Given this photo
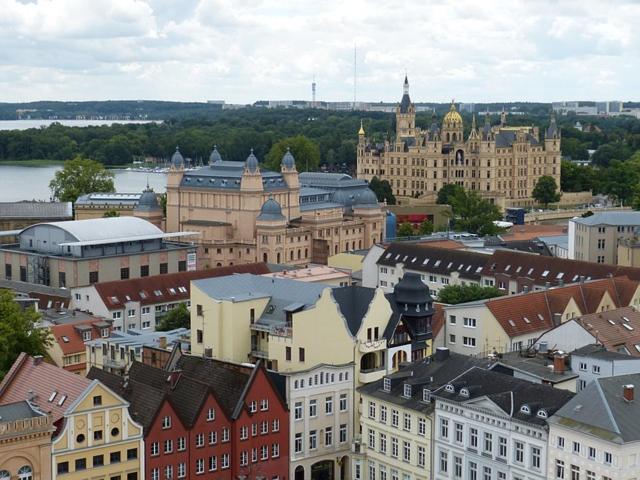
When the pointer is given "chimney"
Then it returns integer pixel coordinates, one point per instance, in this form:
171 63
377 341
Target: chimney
627 392
558 363
581 278
525 288
162 342
37 359
442 353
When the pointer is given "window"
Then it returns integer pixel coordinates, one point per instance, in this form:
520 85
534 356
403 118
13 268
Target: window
488 442
372 439
328 405
253 406
313 408
200 440
343 402
81 464
406 451
264 428
394 447
422 427
93 277
591 475
297 411
168 446
116 315
124 273
575 472
144 270
166 422
264 405
535 457
287 353
459 428
473 471
211 414
297 444
275 426
213 463
452 338
473 437
469 341
382 444
502 447
372 410
383 414
225 434
395 418
114 457
275 450
386 384
576 448
592 453
225 461
301 354
343 433
422 456
583 367
452 319
155 449
98 460
559 469
444 428
608 458
164 268
7 272
244 458
560 442
407 421
182 444
469 322
518 452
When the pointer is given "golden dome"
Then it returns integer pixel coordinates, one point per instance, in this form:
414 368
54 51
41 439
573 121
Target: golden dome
361 131
452 116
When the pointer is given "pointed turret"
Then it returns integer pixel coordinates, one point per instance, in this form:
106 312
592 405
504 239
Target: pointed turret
473 135
552 131
361 131
503 118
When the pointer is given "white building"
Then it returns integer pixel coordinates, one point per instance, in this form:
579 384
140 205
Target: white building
596 435
592 362
493 426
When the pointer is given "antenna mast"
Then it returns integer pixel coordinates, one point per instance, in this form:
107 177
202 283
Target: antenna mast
313 92
355 70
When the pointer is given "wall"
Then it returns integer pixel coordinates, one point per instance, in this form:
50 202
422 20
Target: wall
567 337
26 442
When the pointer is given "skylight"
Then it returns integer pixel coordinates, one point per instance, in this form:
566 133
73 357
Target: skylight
468 268
518 269
545 273
506 269
143 294
62 399
414 259
114 299
182 289
526 320
478 270
541 317
512 323
625 319
172 291
65 339
628 327
611 322
560 275
128 298
426 260
637 345
388 255
530 271
437 264
449 266
157 293
53 395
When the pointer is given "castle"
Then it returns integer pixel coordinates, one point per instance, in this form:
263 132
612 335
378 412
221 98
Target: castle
500 162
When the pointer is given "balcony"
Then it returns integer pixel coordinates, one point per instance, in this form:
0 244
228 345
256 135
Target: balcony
371 374
281 330
372 345
259 353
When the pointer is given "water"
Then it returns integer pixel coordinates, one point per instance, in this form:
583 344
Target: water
25 124
32 183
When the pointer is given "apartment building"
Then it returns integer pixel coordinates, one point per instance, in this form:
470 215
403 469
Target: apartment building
68 348
490 425
396 418
596 238
592 362
595 435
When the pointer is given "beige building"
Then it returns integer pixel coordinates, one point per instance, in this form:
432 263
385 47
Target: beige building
246 213
316 274
25 442
597 238
500 162
320 421
142 205
629 252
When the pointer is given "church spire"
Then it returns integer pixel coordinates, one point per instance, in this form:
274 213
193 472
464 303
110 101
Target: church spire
405 87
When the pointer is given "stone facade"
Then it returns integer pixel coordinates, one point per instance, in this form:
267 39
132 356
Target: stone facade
500 162
246 213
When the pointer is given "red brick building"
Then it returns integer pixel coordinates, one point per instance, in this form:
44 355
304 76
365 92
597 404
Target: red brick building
207 417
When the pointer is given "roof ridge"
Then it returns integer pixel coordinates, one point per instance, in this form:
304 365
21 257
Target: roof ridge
8 378
606 406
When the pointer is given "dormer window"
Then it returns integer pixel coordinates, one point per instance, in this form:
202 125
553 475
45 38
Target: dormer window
407 391
386 385
450 388
86 336
426 395
541 413
525 409
464 392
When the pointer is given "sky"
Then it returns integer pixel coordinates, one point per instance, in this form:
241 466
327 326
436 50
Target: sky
241 51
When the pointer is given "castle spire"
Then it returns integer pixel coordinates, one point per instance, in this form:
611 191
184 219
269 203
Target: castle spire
361 131
405 87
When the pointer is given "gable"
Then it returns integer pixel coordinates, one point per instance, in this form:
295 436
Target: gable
100 393
377 316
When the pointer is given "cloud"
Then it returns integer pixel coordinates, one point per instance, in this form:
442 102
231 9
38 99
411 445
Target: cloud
245 50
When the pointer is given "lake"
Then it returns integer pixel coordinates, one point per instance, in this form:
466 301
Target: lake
32 183
25 124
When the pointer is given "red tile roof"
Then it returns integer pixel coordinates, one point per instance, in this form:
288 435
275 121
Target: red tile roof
70 337
34 379
530 231
610 330
165 288
532 312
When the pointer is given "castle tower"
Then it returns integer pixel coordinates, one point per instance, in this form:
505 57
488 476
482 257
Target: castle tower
452 126
174 178
503 118
289 171
251 176
405 114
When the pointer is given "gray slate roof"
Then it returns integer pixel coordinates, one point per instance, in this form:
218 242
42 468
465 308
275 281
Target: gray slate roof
354 303
598 351
17 411
537 366
36 210
506 139
601 410
611 218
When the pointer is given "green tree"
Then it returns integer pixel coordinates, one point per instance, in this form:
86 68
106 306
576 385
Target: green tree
383 190
426 228
179 317
578 178
473 214
546 191
19 332
111 213
405 230
447 192
305 151
454 294
79 177
622 178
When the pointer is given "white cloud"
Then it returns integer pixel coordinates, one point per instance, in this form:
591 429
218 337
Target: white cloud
244 50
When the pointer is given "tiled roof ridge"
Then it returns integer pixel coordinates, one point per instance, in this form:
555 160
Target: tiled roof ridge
11 374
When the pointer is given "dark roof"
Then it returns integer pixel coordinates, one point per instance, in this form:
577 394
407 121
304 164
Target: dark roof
425 258
426 373
599 351
172 286
600 410
353 301
17 411
405 103
528 246
506 138
508 393
36 210
536 366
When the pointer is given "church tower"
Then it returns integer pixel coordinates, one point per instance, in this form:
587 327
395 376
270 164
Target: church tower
452 126
405 114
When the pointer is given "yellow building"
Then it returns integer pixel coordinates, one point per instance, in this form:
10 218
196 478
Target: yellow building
99 439
247 214
500 162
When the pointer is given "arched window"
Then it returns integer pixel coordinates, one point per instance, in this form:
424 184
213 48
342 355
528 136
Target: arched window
291 255
25 473
306 253
264 257
218 264
299 254
278 258
5 475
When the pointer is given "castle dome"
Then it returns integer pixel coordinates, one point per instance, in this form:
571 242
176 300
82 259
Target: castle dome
453 117
367 197
215 156
148 201
177 160
288 161
252 162
271 210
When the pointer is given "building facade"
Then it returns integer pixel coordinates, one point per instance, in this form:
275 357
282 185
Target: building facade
142 205
500 162
596 238
67 350
246 213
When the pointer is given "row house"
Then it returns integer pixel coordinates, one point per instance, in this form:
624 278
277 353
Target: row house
93 431
514 322
206 417
140 303
493 426
396 421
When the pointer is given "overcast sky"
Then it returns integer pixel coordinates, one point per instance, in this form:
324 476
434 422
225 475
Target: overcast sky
245 50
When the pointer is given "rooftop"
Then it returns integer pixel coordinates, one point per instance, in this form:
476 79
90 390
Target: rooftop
109 198
610 218
316 273
11 412
36 210
595 350
539 366
137 338
618 330
531 232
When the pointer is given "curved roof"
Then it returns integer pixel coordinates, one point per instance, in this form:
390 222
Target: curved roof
453 116
148 201
177 160
252 162
215 156
288 161
271 210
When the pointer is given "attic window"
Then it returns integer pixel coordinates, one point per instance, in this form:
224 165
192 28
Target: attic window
62 399
625 319
182 289
637 345
530 271
426 395
143 294
464 392
478 270
449 266
526 320
611 322
386 385
628 327
128 298
512 323
406 391
560 275
575 277
518 269
172 291
53 395
525 409
414 259
114 300
461 267
157 293
426 260
541 413
405 258
468 268
65 339
450 388
506 269
437 264
540 317
388 255
545 273
397 256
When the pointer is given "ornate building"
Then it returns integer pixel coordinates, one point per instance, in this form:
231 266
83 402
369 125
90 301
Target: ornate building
502 163
246 213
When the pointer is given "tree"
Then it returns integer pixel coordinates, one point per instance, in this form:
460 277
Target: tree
405 230
622 178
383 190
426 228
111 213
305 151
19 332
447 192
578 178
179 317
79 177
545 191
473 214
454 294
